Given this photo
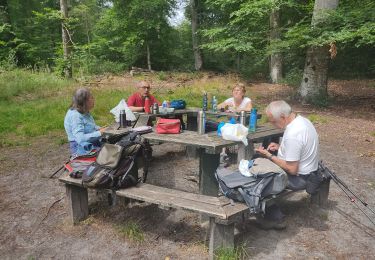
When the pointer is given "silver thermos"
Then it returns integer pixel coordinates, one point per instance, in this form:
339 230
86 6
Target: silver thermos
201 120
243 117
122 119
155 108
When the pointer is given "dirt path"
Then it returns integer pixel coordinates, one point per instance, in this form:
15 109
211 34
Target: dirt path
33 218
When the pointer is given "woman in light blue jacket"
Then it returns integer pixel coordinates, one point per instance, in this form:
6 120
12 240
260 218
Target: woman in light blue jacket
83 134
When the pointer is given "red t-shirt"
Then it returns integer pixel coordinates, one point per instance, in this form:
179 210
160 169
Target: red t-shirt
136 100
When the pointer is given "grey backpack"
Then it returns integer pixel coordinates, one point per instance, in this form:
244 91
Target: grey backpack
268 179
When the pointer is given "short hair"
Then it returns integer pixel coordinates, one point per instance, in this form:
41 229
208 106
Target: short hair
142 83
80 99
240 86
279 108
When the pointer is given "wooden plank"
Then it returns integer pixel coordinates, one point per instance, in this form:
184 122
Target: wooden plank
163 196
77 203
65 178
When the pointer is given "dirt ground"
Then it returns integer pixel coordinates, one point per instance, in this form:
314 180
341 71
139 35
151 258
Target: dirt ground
34 221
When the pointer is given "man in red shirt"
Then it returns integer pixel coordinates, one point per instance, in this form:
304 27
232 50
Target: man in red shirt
136 102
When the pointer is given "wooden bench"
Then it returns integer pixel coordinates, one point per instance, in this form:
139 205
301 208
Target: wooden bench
222 213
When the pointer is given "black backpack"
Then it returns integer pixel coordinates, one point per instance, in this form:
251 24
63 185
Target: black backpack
251 190
116 164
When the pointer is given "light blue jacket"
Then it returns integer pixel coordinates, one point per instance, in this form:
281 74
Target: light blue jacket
81 128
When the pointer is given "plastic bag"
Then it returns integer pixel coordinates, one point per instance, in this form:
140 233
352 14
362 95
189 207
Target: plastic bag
244 167
122 106
235 132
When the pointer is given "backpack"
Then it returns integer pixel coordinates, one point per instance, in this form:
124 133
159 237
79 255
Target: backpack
178 104
116 165
78 164
267 179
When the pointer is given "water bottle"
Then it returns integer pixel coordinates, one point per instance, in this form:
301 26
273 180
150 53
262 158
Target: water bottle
164 104
253 120
243 117
123 122
204 107
147 105
214 104
201 122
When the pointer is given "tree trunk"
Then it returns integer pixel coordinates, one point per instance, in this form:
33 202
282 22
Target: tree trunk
276 65
148 57
66 40
194 27
315 74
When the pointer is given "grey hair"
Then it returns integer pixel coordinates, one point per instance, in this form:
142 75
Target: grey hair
279 108
80 99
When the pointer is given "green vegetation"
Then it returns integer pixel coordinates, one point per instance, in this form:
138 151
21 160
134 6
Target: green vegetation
314 118
231 254
131 230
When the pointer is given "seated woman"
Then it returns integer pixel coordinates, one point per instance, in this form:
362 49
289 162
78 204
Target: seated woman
238 102
83 134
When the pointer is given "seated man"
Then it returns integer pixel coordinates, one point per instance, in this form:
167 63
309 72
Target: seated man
136 102
298 153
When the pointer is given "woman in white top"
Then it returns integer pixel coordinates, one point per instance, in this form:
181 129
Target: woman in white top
238 102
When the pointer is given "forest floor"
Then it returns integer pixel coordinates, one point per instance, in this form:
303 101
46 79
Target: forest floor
34 221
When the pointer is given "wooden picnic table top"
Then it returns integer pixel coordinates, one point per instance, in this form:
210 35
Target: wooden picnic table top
211 141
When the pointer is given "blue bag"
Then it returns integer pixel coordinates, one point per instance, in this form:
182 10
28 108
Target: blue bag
178 104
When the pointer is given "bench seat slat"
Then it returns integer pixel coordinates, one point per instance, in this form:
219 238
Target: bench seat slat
184 200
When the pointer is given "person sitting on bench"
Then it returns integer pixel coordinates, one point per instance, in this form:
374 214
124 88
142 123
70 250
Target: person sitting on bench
136 102
83 134
298 153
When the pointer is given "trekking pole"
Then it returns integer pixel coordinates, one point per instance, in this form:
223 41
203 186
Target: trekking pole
57 171
353 200
334 176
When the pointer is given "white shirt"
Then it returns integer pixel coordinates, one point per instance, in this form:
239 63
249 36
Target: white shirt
300 143
232 106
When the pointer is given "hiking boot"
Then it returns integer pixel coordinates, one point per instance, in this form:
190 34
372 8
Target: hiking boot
267 224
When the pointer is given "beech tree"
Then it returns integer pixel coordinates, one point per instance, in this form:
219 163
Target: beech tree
315 74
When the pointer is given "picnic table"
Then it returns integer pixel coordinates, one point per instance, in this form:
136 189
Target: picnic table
221 211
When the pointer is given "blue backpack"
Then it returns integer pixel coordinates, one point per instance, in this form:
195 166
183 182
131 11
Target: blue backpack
178 104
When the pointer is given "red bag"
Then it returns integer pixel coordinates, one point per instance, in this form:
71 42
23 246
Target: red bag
168 126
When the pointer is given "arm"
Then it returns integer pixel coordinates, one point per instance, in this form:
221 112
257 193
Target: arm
290 167
78 130
132 104
249 106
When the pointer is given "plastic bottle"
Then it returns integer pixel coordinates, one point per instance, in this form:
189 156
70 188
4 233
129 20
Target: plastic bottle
253 120
204 106
164 104
214 104
147 105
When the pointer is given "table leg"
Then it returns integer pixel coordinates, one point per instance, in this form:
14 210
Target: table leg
245 152
77 202
208 164
221 236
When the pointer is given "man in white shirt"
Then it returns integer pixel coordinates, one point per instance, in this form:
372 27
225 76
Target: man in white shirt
298 153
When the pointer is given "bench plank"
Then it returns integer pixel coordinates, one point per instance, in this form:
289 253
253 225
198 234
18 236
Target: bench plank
176 199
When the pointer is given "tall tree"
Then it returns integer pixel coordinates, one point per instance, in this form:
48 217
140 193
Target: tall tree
198 62
276 64
66 40
315 74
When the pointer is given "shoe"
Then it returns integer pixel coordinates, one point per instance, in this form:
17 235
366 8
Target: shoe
266 224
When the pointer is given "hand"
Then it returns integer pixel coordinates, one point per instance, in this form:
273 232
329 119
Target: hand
263 152
273 147
102 129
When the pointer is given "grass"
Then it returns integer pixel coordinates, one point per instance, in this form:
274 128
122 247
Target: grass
372 133
231 253
317 119
131 230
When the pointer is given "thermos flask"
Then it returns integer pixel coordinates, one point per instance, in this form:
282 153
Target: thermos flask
122 119
201 122
243 117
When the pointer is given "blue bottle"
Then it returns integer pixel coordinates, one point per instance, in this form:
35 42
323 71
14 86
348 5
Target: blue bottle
253 120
